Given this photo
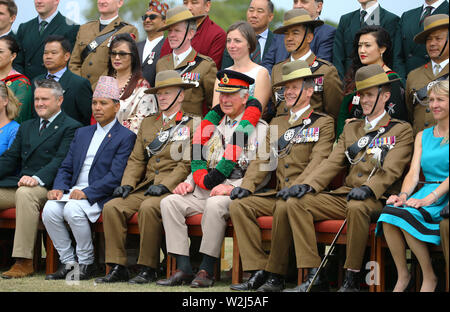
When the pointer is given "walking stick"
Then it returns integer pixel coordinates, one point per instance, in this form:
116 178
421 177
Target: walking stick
325 259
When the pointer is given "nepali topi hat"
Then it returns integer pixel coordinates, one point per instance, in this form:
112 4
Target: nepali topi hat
158 7
295 70
108 88
168 79
371 76
430 24
296 17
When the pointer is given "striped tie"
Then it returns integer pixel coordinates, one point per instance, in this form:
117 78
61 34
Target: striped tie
256 56
42 26
426 13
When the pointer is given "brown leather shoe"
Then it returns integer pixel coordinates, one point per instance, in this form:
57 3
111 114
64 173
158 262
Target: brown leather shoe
22 268
176 279
202 280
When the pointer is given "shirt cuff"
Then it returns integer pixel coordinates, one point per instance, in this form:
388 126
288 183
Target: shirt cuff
39 180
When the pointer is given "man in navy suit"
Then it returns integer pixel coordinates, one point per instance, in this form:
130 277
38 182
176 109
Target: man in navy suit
91 171
321 46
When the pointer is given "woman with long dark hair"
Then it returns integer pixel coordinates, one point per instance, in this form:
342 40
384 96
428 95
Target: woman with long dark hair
372 45
124 65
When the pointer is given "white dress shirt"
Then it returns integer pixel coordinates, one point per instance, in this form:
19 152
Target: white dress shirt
149 46
262 41
303 58
441 66
295 116
372 124
178 59
434 5
370 10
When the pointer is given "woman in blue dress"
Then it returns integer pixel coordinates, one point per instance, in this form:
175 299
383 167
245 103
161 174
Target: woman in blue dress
415 218
9 109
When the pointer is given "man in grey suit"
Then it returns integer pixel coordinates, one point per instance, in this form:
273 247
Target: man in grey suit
150 49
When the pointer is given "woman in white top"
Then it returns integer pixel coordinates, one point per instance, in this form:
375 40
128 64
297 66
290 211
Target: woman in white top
241 43
124 65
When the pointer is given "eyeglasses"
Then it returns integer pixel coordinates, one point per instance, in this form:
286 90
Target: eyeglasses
113 54
152 17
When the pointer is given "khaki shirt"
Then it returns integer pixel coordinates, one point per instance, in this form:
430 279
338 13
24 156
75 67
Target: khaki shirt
204 75
328 93
170 166
257 173
96 63
358 174
420 115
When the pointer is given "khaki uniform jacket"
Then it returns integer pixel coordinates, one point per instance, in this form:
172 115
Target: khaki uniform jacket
420 115
96 63
257 174
170 166
328 100
394 163
303 157
204 75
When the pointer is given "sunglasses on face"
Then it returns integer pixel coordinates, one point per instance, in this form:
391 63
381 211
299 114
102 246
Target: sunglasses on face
120 54
152 17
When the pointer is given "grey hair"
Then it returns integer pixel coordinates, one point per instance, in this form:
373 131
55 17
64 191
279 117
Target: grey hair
243 93
309 83
56 88
192 25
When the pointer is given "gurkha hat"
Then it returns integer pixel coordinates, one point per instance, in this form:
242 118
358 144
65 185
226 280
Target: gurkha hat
231 81
430 24
295 70
371 76
108 88
177 15
168 79
296 17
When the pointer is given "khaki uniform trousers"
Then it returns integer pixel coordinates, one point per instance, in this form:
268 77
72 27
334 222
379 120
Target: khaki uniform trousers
301 215
176 208
116 214
244 213
444 241
28 201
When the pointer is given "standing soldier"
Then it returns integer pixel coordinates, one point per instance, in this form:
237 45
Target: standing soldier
153 171
298 28
435 38
193 67
375 151
90 53
306 139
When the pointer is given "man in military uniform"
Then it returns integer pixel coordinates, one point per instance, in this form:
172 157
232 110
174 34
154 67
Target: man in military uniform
234 139
194 67
298 28
407 54
90 53
375 151
306 139
435 37
156 166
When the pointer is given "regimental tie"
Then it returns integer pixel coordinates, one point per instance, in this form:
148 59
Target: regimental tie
42 26
52 77
362 18
44 125
256 56
426 13
437 69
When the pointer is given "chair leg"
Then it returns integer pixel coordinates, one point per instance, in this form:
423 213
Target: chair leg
236 273
51 262
37 252
380 259
171 265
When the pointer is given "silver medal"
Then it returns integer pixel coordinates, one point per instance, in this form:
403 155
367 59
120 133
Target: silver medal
163 136
289 135
363 142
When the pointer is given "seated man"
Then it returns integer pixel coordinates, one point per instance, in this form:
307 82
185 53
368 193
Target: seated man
306 139
28 168
86 180
375 151
232 136
154 169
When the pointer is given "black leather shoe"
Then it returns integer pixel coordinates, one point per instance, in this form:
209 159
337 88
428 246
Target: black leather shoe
320 284
351 282
256 280
61 273
274 283
87 271
177 279
118 273
202 280
145 276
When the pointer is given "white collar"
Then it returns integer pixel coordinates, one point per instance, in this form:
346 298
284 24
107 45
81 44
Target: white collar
442 64
375 122
48 19
107 22
50 120
154 42
170 117
182 56
106 128
6 33
303 58
299 113
434 5
264 34
370 9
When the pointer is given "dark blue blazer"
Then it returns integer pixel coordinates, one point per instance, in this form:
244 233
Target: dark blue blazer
108 165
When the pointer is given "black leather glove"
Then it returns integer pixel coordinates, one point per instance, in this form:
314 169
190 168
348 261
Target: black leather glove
444 212
156 190
360 193
284 193
299 190
122 191
239 192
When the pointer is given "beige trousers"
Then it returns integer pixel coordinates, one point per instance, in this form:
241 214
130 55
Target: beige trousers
176 208
28 202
